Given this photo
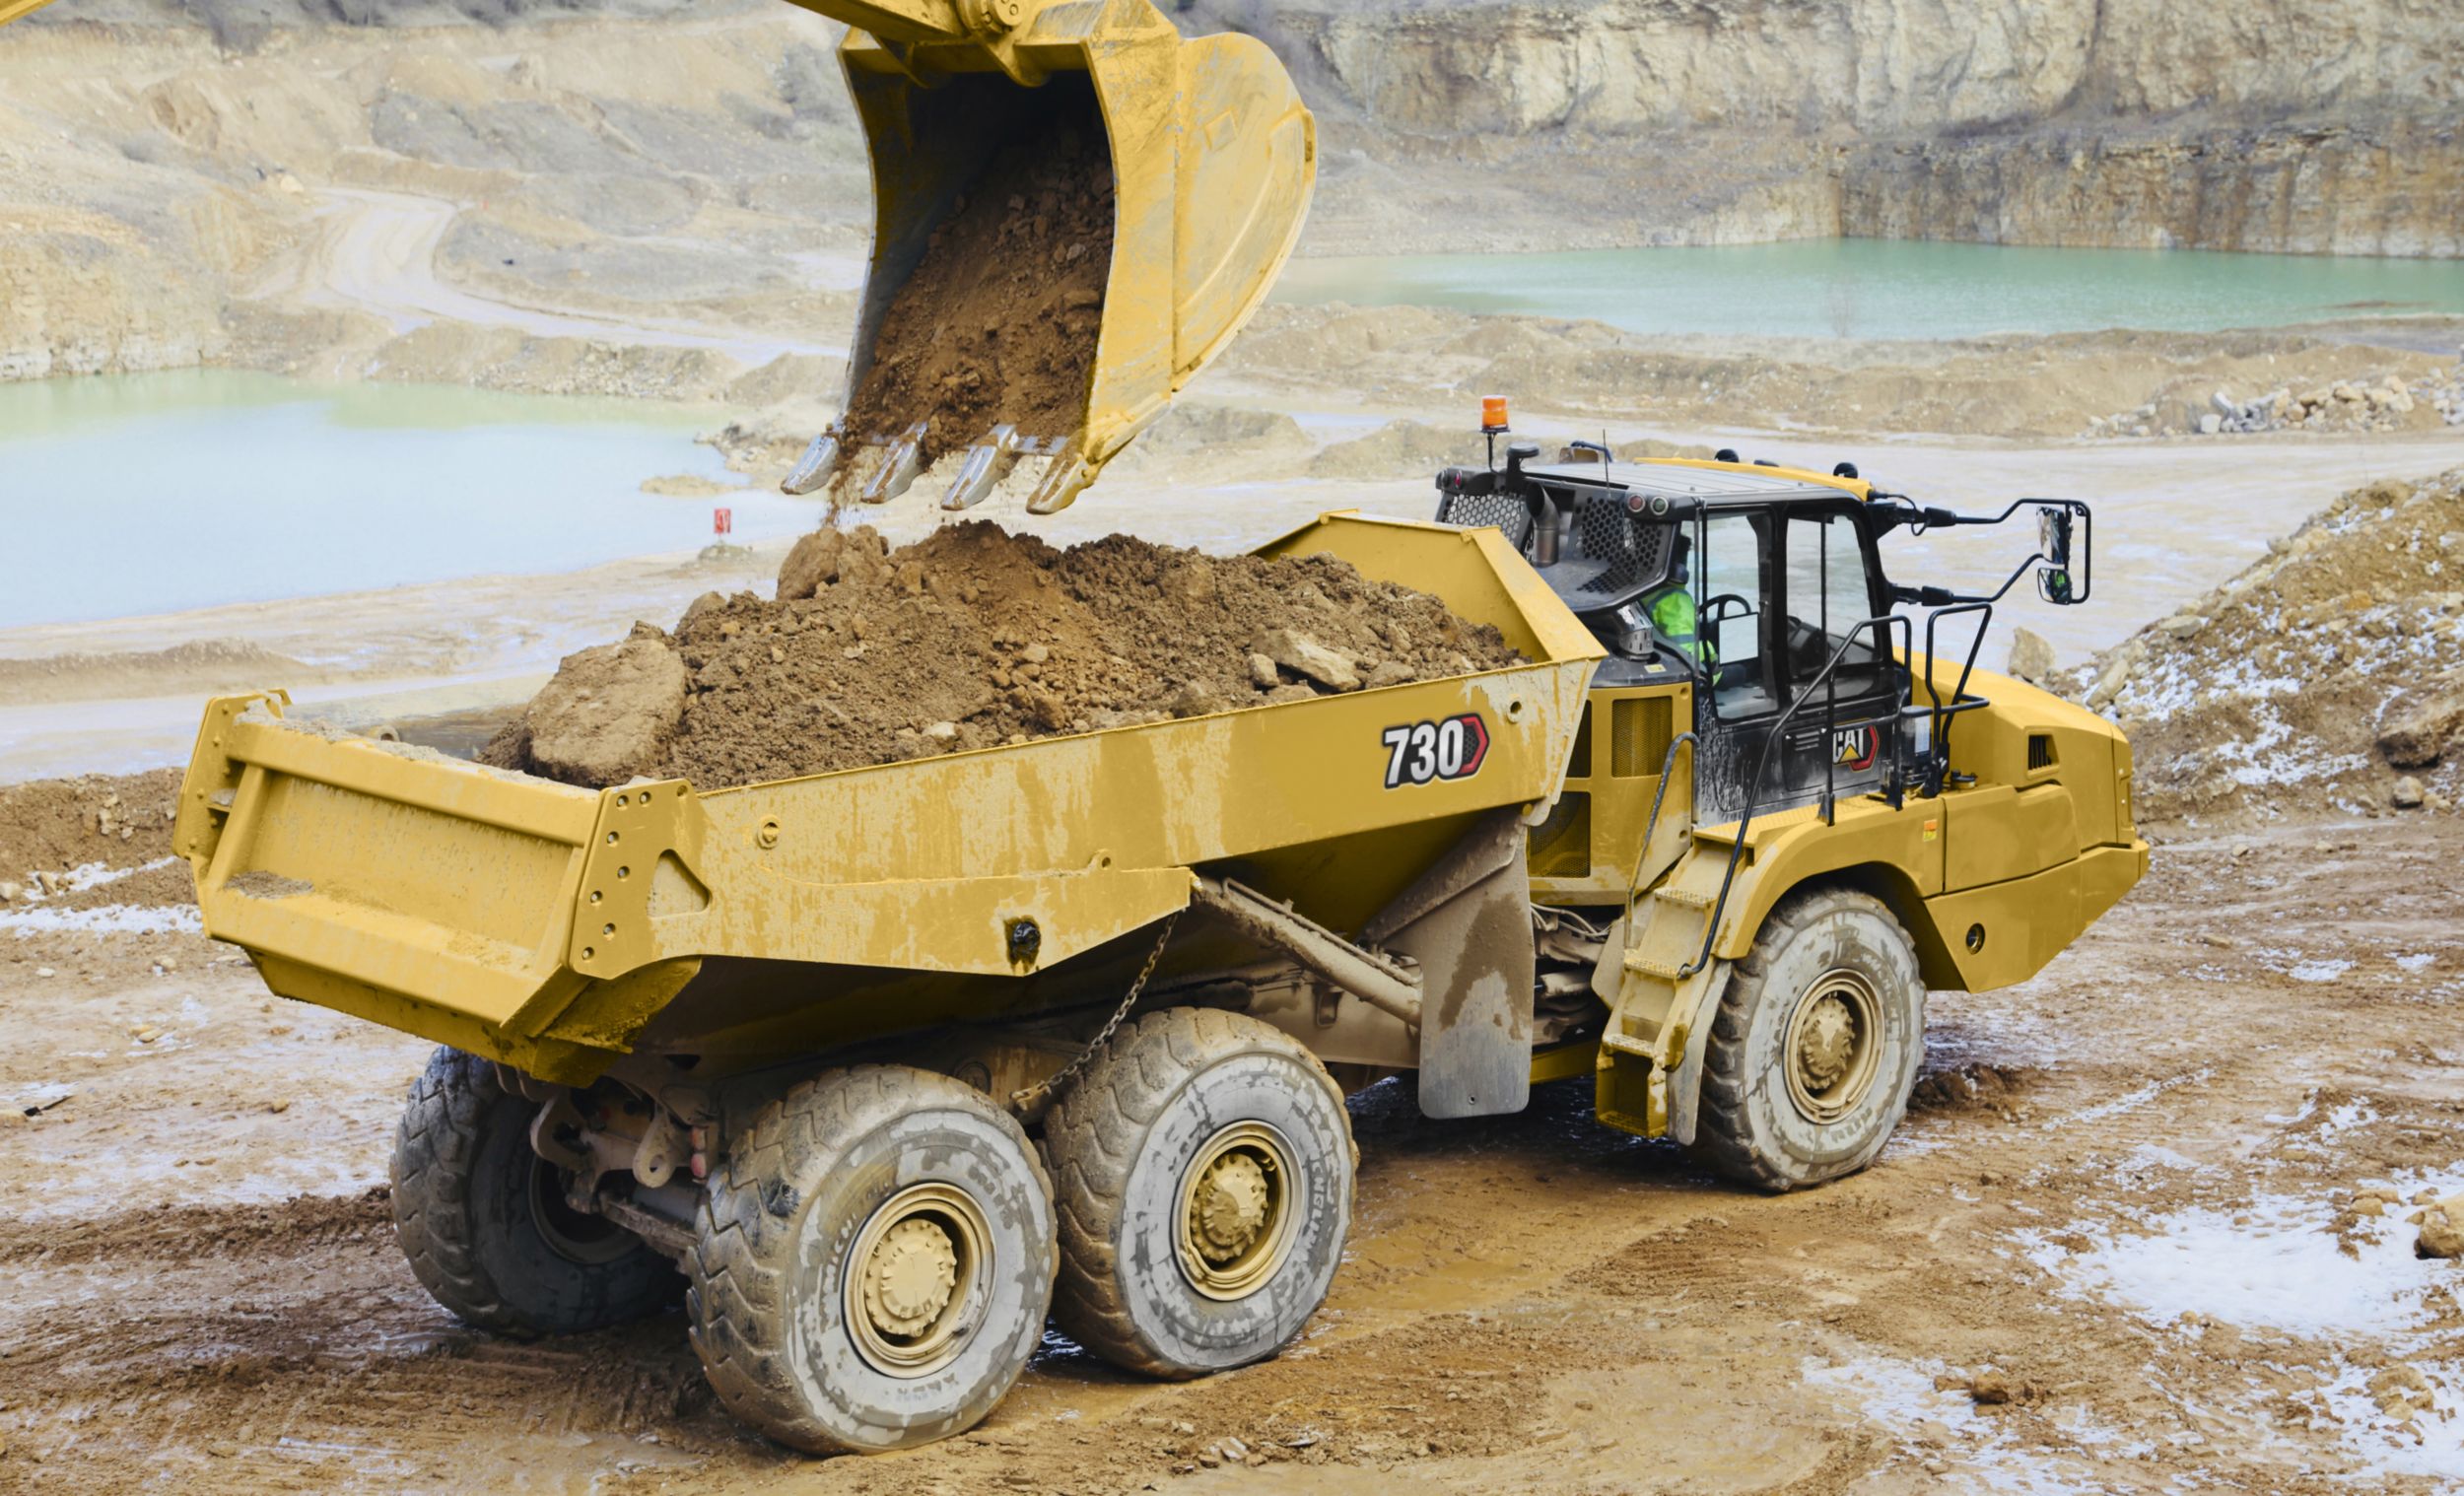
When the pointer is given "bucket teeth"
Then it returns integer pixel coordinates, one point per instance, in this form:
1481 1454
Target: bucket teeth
900 468
1065 480
814 466
987 462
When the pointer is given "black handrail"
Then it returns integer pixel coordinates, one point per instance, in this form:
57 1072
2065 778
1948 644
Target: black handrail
1668 766
1938 748
1762 769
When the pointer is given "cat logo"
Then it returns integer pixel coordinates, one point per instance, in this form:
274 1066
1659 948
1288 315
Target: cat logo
1853 747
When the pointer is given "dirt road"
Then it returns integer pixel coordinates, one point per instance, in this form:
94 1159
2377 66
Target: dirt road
376 252
2120 1201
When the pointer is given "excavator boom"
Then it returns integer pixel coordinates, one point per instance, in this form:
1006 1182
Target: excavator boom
1197 150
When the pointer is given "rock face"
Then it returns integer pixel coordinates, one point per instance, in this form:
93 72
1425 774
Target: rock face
2267 126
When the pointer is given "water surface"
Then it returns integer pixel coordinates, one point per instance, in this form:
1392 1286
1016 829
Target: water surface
1853 288
151 492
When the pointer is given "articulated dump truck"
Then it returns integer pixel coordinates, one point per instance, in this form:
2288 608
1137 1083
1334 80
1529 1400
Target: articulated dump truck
880 1069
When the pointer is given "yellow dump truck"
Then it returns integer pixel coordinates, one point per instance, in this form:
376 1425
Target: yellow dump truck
893 1063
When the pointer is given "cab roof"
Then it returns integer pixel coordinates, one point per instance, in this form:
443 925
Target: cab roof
1704 482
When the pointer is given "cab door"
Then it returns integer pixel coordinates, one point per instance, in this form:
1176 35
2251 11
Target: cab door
1839 740
1737 702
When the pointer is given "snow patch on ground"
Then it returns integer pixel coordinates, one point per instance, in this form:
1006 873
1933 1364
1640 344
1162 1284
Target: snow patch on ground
108 918
1982 1455
2290 1266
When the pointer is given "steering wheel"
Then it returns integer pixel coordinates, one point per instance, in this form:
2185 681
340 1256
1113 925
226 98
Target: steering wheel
1711 613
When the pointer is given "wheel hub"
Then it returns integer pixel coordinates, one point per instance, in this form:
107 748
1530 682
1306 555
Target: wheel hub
1828 1041
1229 1206
1237 1211
914 1279
911 1277
1833 1045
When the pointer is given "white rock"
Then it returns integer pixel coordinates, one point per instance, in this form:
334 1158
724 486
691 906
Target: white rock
2184 624
2031 656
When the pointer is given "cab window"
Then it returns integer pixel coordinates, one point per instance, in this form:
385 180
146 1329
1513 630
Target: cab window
1729 592
1830 593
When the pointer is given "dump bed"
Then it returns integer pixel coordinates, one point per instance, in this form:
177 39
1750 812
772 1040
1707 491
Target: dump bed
546 926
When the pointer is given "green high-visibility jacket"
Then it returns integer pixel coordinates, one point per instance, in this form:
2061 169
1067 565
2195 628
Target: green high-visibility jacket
1671 612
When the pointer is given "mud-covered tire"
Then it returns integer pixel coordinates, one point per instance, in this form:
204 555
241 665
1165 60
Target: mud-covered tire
1166 1092
1820 954
799 1193
481 1217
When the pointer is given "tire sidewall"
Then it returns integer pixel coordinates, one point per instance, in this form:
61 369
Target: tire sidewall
538 1290
862 1406
1870 943
1188 1329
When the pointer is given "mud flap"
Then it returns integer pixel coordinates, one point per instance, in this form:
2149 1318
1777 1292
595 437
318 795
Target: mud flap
1468 922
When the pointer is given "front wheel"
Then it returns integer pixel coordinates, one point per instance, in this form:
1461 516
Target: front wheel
1203 1165
1816 1046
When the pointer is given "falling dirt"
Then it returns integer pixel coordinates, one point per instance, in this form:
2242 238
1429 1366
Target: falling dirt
997 323
974 636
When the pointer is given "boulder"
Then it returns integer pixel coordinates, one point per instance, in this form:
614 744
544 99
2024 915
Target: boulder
2407 793
2442 1230
812 565
609 714
2419 726
2031 656
2184 626
1305 657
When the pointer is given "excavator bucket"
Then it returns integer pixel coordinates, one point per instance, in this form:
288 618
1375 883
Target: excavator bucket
1075 209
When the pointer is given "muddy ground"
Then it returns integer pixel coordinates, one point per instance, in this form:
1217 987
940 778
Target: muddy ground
2122 1192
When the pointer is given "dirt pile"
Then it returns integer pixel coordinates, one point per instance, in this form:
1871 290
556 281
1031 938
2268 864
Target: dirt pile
970 637
996 325
2328 677
201 666
71 843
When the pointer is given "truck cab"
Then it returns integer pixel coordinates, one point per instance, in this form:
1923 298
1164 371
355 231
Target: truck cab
1767 726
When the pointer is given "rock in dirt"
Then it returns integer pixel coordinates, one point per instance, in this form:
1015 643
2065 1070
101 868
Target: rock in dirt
2442 1230
2406 795
822 557
2420 724
973 638
2031 656
609 714
1302 656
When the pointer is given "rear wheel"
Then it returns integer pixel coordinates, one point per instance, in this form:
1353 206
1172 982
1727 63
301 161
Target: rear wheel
1203 1165
1816 1044
873 1262
482 1217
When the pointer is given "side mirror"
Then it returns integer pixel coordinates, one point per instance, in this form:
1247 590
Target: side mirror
2064 549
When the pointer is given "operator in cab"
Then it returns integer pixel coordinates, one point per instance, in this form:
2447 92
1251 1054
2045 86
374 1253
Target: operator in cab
1671 605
